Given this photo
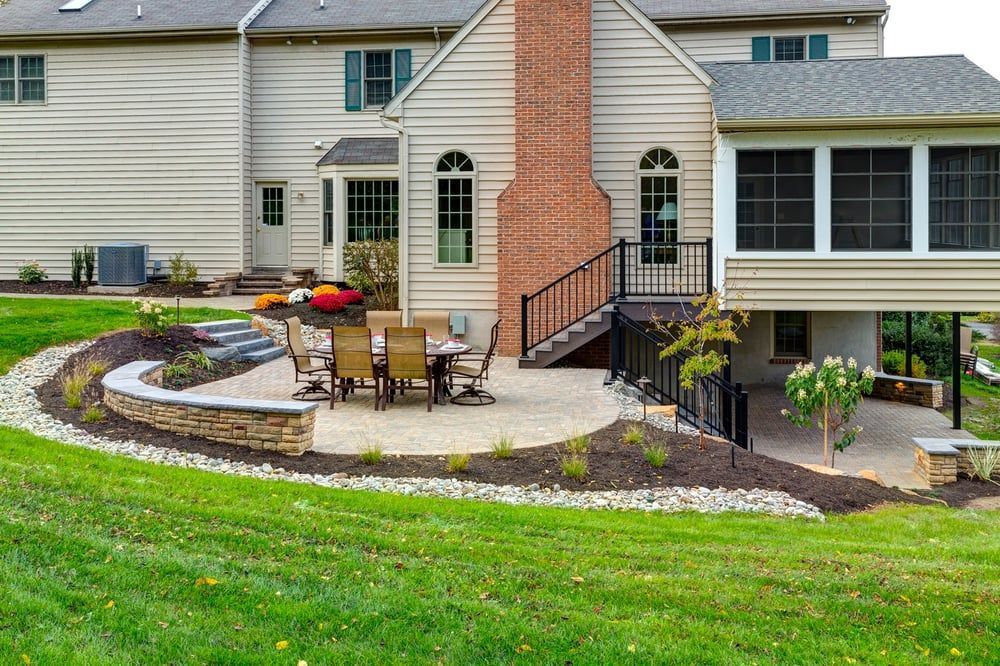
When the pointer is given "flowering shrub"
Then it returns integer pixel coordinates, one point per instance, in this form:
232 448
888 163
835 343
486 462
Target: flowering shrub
831 395
328 303
352 297
31 272
201 335
149 316
300 296
268 301
325 290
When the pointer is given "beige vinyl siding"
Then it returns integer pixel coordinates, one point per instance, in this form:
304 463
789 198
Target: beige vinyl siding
480 122
644 98
734 42
298 98
138 141
873 285
246 113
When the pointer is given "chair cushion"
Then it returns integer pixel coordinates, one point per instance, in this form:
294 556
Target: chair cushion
468 370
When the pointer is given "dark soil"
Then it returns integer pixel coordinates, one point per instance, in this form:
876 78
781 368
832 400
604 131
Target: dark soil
352 315
66 288
964 491
116 349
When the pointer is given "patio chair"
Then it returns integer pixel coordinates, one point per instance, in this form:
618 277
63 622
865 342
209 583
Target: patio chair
379 320
471 370
309 369
407 364
353 362
437 323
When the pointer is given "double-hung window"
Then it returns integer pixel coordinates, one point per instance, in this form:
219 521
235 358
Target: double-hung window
372 210
965 198
378 78
455 185
371 78
327 211
789 48
871 205
775 208
22 79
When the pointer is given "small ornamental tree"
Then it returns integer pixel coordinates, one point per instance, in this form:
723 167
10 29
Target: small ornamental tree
828 398
697 338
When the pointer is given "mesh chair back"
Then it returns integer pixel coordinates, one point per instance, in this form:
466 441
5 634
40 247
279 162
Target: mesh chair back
379 320
352 352
296 346
406 353
437 323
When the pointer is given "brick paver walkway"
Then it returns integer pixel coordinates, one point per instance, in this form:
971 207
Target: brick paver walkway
885 445
536 407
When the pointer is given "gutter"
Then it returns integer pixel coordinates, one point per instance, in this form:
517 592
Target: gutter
328 31
867 122
404 212
121 33
822 12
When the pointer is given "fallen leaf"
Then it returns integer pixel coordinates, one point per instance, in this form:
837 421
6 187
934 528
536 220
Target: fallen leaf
576 579
521 649
205 580
26 659
955 652
281 645
110 604
302 662
631 647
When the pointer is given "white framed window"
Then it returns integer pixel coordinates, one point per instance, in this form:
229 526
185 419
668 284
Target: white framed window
378 78
372 209
660 179
455 210
22 79
789 48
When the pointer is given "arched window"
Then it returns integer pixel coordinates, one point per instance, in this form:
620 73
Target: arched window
455 211
660 181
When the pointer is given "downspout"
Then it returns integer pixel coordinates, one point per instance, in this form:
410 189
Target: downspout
437 38
404 214
881 33
241 153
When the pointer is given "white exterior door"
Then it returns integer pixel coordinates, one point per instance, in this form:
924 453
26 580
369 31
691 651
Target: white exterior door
271 225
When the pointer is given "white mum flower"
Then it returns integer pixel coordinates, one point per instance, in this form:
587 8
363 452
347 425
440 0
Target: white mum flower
300 296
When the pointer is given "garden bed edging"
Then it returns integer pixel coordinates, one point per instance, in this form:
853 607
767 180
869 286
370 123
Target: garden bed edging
134 392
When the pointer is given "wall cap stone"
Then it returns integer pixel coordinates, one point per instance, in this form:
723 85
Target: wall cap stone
908 380
937 447
128 381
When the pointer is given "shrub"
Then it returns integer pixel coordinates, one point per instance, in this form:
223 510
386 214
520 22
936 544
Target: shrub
987 317
149 316
89 259
328 303
985 462
457 462
325 289
76 268
371 453
94 414
176 371
574 467
73 383
635 434
577 443
202 335
931 338
182 271
300 296
196 359
502 447
373 268
656 455
31 272
96 367
894 363
269 302
352 297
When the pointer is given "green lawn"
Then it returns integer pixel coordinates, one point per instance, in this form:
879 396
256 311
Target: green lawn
100 561
982 419
30 324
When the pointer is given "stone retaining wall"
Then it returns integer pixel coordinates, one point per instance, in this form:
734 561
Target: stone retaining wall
940 461
134 391
922 392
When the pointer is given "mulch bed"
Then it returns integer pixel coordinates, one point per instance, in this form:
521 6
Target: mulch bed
964 491
352 315
117 349
66 288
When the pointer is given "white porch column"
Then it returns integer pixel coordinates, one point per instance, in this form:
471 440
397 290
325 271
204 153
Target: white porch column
921 198
823 191
725 201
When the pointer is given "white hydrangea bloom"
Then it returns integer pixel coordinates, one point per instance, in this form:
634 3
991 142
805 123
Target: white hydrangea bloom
300 296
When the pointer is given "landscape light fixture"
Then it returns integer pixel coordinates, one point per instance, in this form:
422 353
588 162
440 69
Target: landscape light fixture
642 383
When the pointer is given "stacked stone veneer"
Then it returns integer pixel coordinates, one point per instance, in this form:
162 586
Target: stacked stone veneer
940 461
922 392
134 391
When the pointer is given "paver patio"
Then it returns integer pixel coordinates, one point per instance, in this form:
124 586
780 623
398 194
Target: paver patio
885 445
536 407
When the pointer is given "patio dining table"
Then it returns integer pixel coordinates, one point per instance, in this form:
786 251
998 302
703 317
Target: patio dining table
441 352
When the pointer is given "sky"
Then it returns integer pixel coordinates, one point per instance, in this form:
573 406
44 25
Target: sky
933 27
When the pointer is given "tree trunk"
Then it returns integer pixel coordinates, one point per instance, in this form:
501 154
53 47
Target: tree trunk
826 431
700 396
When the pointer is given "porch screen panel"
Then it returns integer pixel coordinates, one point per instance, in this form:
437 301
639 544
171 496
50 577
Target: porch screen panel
372 210
871 199
775 207
965 198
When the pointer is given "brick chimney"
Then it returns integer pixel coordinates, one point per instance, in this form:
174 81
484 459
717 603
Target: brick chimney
553 216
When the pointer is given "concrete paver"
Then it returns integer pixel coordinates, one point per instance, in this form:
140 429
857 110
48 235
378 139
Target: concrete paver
535 407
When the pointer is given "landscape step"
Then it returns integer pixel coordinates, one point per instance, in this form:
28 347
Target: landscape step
226 326
264 355
231 338
248 346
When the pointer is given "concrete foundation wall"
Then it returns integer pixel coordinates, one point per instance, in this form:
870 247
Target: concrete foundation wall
831 333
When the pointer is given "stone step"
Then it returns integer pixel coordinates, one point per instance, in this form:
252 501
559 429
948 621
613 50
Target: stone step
264 355
248 346
232 337
246 291
225 326
258 281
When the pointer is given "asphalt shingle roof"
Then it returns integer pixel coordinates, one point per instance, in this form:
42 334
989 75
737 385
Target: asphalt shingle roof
852 88
363 151
43 16
666 9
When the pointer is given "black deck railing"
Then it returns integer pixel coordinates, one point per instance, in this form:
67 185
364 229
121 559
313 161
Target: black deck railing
635 355
626 269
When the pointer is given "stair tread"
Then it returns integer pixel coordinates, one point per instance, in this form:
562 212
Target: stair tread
264 355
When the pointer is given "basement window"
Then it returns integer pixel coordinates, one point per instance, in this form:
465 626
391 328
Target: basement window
791 335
